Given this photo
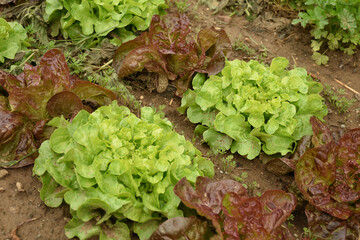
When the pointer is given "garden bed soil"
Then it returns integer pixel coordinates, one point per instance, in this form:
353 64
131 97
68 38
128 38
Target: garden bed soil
271 34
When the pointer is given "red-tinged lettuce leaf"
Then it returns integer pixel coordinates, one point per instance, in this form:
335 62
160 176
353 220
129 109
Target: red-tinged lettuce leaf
278 207
239 213
30 76
25 92
55 71
192 199
31 90
215 45
4 103
16 140
178 56
207 196
328 176
32 98
170 34
257 217
183 55
41 131
349 145
314 174
347 187
64 103
149 58
8 81
235 215
212 192
92 94
30 101
181 228
323 226
126 48
321 133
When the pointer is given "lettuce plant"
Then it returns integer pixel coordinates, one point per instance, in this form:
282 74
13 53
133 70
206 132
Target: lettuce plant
79 19
12 39
328 177
250 107
111 166
29 100
326 227
234 214
169 51
327 217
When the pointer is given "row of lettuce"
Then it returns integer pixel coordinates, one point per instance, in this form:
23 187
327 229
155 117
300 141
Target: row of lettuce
124 175
80 20
334 24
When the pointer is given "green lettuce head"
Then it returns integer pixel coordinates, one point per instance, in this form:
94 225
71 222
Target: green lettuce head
12 39
250 107
111 166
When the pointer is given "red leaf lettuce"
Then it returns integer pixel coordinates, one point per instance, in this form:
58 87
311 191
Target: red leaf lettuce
234 214
169 51
323 226
329 175
29 100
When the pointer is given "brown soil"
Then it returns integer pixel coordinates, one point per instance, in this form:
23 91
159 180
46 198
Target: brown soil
270 34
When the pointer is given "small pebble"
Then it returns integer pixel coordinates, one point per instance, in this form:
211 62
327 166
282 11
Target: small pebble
221 172
141 97
225 19
13 209
3 173
343 126
19 187
2 189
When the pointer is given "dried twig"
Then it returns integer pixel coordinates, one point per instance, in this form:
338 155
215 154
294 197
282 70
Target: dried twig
294 60
104 66
14 236
290 36
346 86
